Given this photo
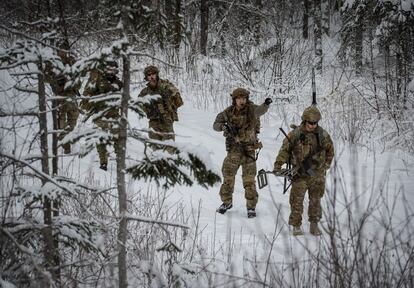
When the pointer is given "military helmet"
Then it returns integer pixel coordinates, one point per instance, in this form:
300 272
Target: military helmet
150 70
311 114
239 92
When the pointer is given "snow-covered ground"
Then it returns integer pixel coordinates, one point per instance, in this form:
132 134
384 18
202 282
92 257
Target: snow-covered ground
358 172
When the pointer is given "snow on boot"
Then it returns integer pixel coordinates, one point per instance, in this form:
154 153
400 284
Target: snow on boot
297 231
314 229
251 213
224 207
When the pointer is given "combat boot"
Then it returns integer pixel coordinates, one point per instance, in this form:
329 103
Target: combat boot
251 213
314 229
297 231
66 148
104 166
224 207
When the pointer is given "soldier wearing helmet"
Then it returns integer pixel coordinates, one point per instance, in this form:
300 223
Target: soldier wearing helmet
105 85
311 150
240 124
67 110
162 111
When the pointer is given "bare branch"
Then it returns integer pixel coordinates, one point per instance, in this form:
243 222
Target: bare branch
31 112
153 221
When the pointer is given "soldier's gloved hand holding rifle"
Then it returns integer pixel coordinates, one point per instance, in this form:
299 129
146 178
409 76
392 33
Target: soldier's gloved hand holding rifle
268 101
230 129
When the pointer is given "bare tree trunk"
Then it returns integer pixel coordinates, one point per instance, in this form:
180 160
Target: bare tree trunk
49 249
326 16
317 31
177 24
169 15
388 79
55 162
257 22
305 19
120 171
358 39
204 27
374 77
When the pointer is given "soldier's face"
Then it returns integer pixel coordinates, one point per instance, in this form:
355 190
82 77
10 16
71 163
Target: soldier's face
240 102
311 126
152 79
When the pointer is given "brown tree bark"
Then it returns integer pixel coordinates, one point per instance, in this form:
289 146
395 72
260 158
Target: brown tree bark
50 251
204 27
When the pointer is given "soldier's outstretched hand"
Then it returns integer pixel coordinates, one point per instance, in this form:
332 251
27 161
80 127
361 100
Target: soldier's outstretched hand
268 101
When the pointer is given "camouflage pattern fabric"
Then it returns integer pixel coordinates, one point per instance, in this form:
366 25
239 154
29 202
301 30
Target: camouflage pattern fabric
317 151
240 149
99 83
67 116
165 108
235 158
67 108
162 112
315 186
101 147
246 121
164 130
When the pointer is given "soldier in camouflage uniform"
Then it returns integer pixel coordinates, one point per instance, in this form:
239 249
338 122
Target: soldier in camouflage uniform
104 113
67 108
161 112
311 150
240 125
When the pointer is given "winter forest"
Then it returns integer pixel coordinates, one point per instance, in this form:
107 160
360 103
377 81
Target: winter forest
149 219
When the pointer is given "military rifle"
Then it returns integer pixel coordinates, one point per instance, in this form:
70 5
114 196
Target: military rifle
289 162
288 173
231 129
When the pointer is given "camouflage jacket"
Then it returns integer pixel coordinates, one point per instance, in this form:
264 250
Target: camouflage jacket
99 84
308 150
59 82
245 124
164 108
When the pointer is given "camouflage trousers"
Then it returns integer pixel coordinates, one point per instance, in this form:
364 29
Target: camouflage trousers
235 158
162 130
315 186
101 147
67 116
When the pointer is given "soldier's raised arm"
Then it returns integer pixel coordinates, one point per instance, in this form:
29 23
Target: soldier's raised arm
262 109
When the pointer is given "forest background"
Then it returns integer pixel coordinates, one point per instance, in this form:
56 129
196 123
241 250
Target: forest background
150 220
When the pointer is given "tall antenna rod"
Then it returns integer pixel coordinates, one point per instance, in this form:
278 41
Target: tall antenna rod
313 87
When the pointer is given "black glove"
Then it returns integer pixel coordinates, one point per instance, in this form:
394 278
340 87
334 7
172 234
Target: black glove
268 101
225 128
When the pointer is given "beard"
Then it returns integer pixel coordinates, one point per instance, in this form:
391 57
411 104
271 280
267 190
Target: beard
152 84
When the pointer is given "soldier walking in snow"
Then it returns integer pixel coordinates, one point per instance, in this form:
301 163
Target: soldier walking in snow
104 113
311 150
240 124
161 112
67 109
